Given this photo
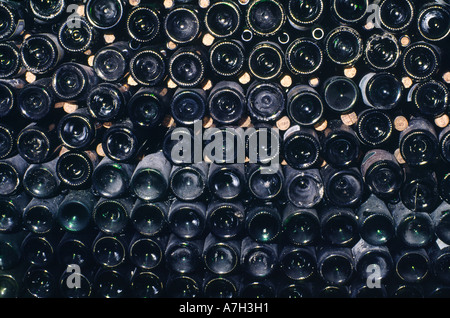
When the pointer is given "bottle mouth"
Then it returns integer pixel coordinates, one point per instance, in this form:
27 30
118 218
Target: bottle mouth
45 12
233 221
341 149
304 57
226 106
260 261
226 183
302 227
265 186
341 94
73 216
222 19
148 67
120 144
143 24
431 98
35 102
416 230
35 278
76 131
340 229
145 109
105 101
298 264
344 46
396 16
384 91
301 151
182 258
187 183
382 51
110 216
38 219
110 180
10 26
182 25
265 18
76 35
9 179
305 108
34 243
420 61
219 286
8 222
69 81
104 14
419 147
345 188
8 97
336 269
412 267
109 251
149 184
266 101
187 107
263 225
374 127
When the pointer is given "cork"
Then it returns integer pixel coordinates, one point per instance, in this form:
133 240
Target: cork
286 81
321 125
349 119
350 72
442 121
245 78
400 123
283 123
208 39
398 157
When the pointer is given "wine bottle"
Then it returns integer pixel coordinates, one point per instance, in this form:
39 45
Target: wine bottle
382 173
150 179
8 139
419 143
335 265
11 66
370 257
12 171
305 188
226 182
111 179
298 263
226 102
439 217
343 187
147 252
264 184
182 24
439 258
265 61
258 260
302 15
111 216
107 101
227 57
73 81
412 265
381 90
14 18
111 62
225 220
375 222
340 94
75 248
301 147
420 190
41 180
265 18
147 107
39 216
382 52
188 66
148 66
183 256
36 100
9 90
340 144
110 251
188 183
217 286
188 106
40 282
266 101
75 211
300 225
77 35
263 223
374 127
149 218
47 12
41 53
421 60
344 46
40 250
414 229
304 56
349 12
221 257
432 21
339 226
148 284
105 14
77 130
112 282
223 19
187 220
304 105
144 22
11 253
396 16
37 143
430 98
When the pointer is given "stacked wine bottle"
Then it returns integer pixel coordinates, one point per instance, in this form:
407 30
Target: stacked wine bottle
95 96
